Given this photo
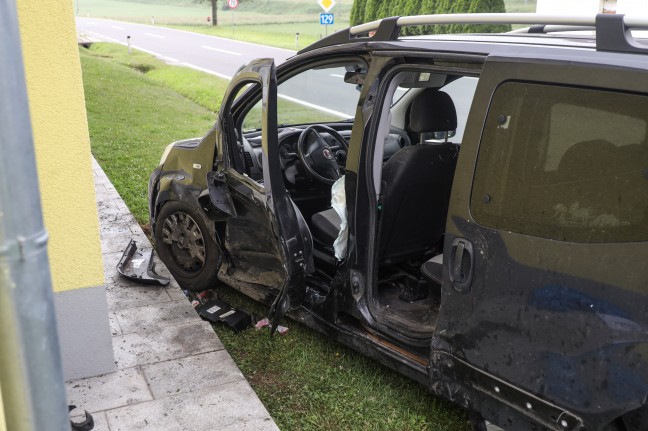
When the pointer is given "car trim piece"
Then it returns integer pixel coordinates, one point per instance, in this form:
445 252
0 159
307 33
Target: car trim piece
542 411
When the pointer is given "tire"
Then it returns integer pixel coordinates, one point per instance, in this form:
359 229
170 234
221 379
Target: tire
183 242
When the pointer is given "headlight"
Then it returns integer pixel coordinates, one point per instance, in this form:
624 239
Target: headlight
166 152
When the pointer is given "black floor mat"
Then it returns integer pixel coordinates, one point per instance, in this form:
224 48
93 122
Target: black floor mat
417 316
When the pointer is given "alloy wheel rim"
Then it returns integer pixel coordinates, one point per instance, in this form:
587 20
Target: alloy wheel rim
182 235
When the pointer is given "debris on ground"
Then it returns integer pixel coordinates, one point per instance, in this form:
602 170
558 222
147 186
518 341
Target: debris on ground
218 311
86 425
265 322
138 265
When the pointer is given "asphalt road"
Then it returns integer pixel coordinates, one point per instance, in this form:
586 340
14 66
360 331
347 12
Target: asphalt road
211 54
319 89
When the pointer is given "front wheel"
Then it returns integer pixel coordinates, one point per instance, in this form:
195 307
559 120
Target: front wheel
183 243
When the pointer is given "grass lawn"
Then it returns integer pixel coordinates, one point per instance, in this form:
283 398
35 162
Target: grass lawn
307 381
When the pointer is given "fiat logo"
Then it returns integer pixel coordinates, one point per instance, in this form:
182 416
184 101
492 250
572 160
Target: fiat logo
327 153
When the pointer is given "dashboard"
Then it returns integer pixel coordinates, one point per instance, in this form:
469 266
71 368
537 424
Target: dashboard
288 137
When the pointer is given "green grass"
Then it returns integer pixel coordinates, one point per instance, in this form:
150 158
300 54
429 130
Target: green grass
205 89
142 12
310 382
307 381
132 118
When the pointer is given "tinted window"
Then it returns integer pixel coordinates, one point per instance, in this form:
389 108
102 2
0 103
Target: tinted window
564 163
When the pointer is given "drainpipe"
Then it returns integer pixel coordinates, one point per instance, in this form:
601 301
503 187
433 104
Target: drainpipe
31 375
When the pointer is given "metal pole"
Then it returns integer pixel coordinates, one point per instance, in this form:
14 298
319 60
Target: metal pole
31 376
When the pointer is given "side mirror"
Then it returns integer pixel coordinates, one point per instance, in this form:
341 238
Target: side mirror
357 78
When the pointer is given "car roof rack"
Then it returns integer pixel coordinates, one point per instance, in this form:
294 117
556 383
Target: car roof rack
612 31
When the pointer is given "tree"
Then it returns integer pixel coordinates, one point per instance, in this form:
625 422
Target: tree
214 8
460 6
397 7
443 7
412 7
383 9
429 7
487 6
357 12
371 10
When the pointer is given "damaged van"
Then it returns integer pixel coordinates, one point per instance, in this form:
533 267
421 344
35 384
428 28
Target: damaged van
468 209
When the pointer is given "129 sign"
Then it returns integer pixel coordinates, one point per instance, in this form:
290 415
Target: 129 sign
326 19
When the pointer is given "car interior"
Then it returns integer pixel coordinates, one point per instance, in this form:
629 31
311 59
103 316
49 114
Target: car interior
420 131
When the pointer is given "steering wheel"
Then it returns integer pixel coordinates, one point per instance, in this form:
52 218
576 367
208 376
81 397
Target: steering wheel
319 159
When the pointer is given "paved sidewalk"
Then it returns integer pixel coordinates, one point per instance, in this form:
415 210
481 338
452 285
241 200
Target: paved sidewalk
173 373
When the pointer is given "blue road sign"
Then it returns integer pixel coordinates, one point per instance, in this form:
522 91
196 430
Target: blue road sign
326 18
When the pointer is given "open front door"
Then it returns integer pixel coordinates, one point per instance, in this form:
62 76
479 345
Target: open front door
268 235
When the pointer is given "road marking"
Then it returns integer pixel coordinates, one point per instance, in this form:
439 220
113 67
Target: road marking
118 27
155 35
238 42
336 75
102 37
202 69
175 60
312 105
224 51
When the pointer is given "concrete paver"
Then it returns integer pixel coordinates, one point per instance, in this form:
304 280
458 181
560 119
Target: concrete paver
115 329
195 372
173 372
166 343
121 297
221 407
94 394
155 316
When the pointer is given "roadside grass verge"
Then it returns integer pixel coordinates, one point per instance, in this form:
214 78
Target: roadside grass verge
306 380
279 34
205 89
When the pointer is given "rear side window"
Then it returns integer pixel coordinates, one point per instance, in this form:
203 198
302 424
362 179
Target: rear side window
564 163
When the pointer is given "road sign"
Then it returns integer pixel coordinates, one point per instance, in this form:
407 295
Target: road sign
327 5
232 4
326 19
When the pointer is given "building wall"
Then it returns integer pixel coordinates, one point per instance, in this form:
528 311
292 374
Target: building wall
3 427
62 146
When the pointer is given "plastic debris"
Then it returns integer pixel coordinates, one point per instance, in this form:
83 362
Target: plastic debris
138 265
87 424
265 322
217 311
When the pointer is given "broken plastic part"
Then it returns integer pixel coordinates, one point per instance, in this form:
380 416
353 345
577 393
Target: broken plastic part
265 322
86 425
217 311
138 265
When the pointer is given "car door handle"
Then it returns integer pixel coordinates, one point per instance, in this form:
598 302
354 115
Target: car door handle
461 265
